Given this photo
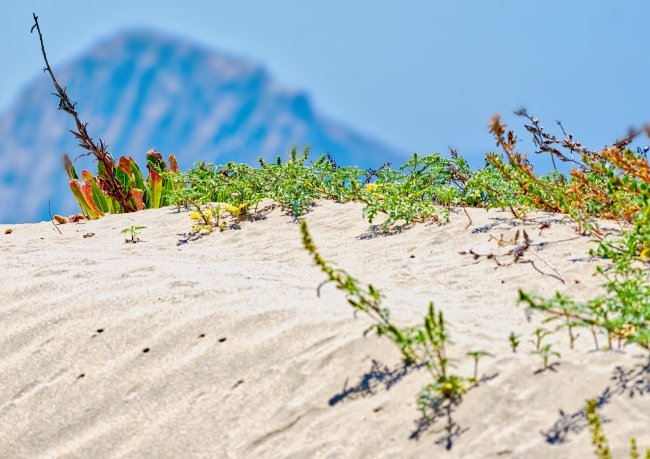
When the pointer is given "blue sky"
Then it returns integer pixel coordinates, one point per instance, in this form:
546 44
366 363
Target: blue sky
420 75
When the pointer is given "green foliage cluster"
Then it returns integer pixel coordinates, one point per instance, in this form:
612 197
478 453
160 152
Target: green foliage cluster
137 192
613 183
421 190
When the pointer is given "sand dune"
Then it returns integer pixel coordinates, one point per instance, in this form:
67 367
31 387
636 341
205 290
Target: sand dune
219 347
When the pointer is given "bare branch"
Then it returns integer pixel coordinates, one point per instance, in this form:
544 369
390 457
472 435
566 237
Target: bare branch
107 181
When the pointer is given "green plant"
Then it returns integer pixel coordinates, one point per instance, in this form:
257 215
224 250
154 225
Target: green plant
623 312
539 334
514 341
546 353
598 438
596 427
367 300
477 355
416 194
150 193
567 321
133 231
422 345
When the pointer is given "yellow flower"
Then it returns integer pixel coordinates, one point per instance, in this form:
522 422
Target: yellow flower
371 187
236 210
196 216
643 253
207 228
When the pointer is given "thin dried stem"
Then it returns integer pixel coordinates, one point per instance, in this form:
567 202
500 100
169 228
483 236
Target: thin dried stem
49 211
559 275
109 184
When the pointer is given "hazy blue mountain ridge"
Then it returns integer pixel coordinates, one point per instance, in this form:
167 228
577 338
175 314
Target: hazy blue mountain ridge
142 90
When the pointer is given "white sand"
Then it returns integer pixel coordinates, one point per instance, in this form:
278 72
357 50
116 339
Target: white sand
274 388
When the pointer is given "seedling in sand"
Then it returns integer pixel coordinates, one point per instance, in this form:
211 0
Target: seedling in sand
546 353
477 355
539 334
569 323
133 231
514 341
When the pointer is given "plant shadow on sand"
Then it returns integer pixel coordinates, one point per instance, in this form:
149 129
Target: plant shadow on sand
439 408
497 223
379 375
635 381
379 231
191 236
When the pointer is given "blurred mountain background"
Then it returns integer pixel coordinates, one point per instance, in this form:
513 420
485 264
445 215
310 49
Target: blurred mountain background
142 89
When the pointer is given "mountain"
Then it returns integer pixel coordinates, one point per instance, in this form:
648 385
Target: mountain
140 90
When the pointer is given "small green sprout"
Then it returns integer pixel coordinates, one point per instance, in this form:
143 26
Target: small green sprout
546 353
514 341
540 334
477 356
133 231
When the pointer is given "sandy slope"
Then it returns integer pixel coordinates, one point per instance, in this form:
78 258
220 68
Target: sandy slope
245 361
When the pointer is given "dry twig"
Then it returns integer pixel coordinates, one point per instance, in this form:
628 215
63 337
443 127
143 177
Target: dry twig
50 212
107 180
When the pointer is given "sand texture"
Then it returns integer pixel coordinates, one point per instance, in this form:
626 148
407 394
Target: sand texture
245 360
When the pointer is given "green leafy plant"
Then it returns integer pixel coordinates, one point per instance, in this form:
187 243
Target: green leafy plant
150 193
514 341
416 192
421 190
539 334
623 312
477 355
133 231
546 353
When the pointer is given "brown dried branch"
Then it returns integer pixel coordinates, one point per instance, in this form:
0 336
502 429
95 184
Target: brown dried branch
109 184
559 275
516 253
